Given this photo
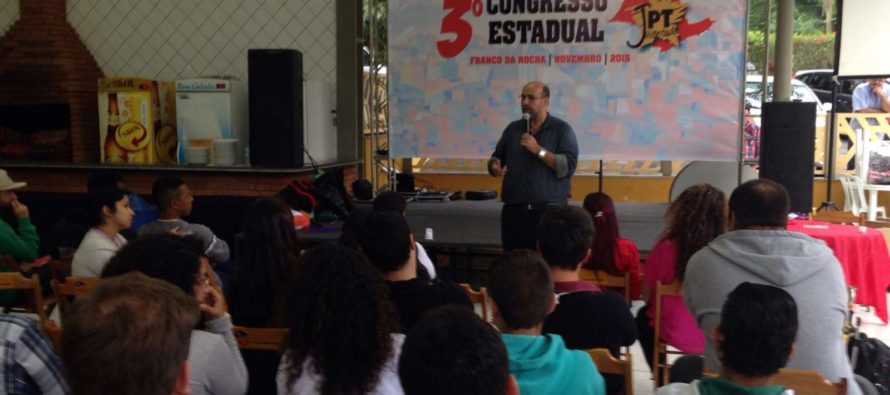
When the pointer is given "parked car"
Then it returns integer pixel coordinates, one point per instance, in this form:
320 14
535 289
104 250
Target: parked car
799 92
820 82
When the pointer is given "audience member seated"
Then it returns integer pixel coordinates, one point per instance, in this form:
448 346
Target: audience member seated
129 335
754 340
393 201
109 212
760 249
453 351
695 218
343 329
585 317
29 365
266 262
174 200
385 239
214 357
521 292
610 252
22 245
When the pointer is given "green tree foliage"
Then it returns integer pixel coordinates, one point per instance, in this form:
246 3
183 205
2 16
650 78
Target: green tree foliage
813 45
379 14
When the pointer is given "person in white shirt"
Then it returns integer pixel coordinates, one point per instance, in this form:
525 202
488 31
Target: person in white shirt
109 209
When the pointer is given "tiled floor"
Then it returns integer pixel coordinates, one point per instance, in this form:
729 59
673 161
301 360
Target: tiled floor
870 325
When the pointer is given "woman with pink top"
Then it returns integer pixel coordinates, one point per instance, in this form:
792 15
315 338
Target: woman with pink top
692 221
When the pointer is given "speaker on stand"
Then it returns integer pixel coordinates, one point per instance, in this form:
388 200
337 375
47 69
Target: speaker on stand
275 93
787 145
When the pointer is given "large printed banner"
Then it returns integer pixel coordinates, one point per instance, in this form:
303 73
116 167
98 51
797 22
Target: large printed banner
636 79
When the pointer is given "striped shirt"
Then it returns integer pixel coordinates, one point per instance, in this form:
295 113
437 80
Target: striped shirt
29 364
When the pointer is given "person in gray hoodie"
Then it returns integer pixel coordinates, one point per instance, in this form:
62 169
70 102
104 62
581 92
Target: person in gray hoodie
760 249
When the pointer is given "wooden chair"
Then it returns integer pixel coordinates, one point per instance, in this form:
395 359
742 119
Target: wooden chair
660 351
263 339
54 333
478 297
61 268
71 288
604 279
839 217
16 281
809 382
606 363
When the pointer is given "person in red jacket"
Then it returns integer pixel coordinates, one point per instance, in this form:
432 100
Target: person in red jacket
609 252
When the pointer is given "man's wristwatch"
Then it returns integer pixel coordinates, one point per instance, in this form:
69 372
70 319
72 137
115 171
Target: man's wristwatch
542 153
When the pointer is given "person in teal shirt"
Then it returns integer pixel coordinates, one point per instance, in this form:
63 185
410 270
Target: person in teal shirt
521 291
755 338
24 244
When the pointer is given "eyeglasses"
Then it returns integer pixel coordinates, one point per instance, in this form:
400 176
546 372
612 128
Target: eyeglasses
529 97
203 279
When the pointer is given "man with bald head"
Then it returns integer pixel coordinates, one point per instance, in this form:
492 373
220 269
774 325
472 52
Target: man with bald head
537 156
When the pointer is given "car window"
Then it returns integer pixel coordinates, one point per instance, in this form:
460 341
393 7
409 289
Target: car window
799 92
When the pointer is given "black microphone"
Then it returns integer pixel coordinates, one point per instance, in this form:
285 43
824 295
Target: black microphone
527 117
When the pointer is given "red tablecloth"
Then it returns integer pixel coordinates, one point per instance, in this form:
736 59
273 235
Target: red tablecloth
863 256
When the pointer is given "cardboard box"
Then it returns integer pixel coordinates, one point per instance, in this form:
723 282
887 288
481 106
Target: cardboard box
130 120
209 109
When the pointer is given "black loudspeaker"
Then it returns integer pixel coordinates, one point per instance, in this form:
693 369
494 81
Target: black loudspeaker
787 141
275 84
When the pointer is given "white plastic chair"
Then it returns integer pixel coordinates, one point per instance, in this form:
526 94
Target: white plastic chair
854 195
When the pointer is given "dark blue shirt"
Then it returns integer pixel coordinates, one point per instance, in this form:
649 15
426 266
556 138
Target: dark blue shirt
528 179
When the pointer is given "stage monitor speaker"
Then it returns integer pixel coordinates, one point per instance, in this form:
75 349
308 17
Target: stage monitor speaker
275 82
787 141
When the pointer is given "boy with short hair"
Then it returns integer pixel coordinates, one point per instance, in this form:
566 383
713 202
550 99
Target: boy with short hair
453 351
755 338
174 200
521 291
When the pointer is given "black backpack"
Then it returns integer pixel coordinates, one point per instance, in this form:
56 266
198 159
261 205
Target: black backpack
871 359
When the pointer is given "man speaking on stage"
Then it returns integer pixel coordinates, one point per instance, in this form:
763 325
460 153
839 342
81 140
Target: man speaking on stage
537 156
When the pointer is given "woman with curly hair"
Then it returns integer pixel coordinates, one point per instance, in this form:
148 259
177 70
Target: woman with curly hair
695 218
343 328
610 252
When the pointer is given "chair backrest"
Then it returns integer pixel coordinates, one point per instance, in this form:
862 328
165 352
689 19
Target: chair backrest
604 279
15 280
61 268
54 333
859 189
851 198
265 339
809 382
659 368
839 217
71 288
606 363
478 297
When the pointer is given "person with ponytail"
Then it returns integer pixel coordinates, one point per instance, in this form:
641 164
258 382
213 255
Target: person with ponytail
610 252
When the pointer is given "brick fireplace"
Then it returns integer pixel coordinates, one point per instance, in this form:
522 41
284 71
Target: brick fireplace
45 69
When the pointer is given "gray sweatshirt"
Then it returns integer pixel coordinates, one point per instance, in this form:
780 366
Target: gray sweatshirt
215 248
215 360
804 267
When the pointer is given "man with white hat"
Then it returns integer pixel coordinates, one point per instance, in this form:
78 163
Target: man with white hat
24 244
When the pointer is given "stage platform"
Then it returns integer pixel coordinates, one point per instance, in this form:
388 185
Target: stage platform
477 224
